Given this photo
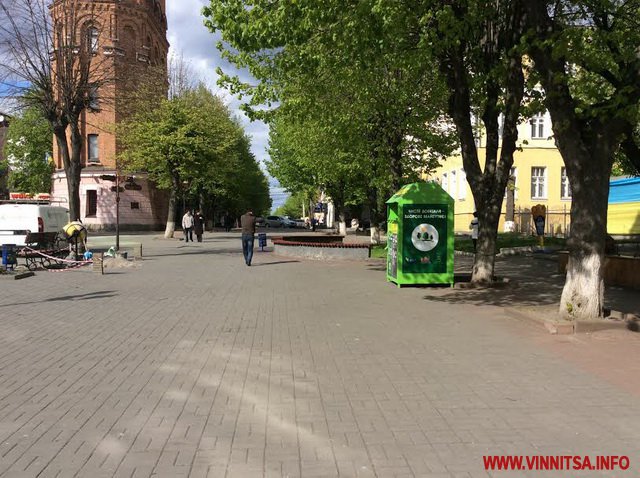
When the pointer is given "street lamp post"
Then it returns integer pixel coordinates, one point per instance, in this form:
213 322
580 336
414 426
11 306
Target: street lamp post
117 208
115 178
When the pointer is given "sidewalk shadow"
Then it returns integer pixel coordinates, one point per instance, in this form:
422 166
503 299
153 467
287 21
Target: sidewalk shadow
195 252
273 263
533 281
377 265
102 294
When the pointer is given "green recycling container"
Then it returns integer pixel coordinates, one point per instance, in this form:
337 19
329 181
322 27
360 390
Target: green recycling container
420 235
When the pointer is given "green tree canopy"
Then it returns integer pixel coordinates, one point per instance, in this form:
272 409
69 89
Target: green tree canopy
354 116
190 144
28 151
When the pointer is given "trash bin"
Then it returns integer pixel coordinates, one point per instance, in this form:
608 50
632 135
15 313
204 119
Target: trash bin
262 240
420 235
9 259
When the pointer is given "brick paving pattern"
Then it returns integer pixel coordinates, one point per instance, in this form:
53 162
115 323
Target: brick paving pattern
194 365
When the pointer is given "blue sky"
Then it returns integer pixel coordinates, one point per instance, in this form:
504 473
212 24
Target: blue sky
189 37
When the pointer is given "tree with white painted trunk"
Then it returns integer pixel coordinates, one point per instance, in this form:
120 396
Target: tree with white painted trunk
586 53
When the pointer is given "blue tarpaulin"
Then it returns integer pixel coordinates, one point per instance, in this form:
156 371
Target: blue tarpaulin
624 190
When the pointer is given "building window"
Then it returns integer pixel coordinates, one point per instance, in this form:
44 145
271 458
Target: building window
135 205
538 183
445 182
92 203
94 100
537 126
94 153
462 185
565 186
92 39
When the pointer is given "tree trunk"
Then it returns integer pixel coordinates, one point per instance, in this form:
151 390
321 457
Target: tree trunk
377 214
171 214
71 171
374 234
583 292
73 175
342 223
488 219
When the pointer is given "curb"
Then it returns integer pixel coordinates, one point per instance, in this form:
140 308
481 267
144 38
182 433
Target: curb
615 320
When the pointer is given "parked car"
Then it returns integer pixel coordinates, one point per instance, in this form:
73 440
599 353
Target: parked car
16 219
288 222
300 223
274 221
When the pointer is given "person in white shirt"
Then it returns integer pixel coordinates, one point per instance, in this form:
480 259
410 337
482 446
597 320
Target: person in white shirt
474 230
187 226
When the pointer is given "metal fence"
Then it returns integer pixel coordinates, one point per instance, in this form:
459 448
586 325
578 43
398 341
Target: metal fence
557 223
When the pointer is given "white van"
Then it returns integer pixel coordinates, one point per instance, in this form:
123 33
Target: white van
17 219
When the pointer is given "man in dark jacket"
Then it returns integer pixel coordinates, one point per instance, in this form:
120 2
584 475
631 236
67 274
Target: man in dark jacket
227 222
248 223
198 225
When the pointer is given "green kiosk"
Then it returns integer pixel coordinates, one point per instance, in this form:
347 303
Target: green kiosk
420 235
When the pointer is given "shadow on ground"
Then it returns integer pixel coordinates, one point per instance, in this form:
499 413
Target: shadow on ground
272 263
102 294
533 281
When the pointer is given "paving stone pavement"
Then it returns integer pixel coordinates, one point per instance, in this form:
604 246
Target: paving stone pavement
195 365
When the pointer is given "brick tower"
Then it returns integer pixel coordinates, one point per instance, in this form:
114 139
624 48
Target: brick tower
127 38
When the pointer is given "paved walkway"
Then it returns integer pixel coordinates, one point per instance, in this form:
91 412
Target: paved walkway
195 365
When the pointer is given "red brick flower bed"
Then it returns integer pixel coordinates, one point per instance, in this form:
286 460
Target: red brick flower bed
327 241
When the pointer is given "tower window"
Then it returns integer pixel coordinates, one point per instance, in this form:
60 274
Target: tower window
94 100
94 152
92 39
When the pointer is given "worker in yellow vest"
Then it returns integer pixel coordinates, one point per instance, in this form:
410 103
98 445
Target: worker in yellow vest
76 233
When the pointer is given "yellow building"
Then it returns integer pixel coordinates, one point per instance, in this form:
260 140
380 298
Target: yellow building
540 178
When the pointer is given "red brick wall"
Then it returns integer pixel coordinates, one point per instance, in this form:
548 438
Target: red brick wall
131 36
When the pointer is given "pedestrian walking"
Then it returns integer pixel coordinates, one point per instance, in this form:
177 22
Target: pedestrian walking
187 225
248 224
228 222
198 225
474 230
